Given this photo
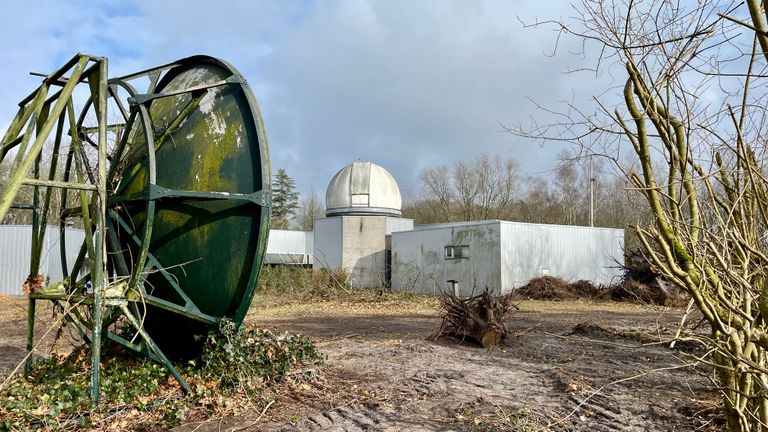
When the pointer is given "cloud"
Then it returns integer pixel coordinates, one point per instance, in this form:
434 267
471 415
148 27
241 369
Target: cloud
408 85
41 36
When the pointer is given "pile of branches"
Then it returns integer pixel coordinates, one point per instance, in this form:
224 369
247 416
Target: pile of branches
480 318
638 267
656 291
553 288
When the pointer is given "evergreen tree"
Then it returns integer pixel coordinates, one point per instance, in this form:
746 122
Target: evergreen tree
285 199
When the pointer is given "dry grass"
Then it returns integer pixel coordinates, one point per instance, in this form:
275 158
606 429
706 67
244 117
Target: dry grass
355 302
12 308
582 305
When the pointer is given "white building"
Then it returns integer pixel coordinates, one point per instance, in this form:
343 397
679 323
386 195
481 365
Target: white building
16 252
286 247
364 234
501 255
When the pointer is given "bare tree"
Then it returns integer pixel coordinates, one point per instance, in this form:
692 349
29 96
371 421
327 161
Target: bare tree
25 195
538 204
569 193
484 188
467 183
692 111
310 208
499 180
493 188
437 185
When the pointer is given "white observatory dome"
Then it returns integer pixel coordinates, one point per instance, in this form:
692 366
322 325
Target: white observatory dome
363 188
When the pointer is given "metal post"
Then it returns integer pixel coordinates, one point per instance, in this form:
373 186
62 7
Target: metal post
34 265
30 334
99 91
454 286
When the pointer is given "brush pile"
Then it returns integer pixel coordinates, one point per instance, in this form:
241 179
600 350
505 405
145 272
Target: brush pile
656 292
552 288
480 318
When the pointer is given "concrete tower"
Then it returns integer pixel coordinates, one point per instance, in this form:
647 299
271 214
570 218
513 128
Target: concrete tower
363 205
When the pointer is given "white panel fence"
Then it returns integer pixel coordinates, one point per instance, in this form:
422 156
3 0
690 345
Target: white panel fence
15 251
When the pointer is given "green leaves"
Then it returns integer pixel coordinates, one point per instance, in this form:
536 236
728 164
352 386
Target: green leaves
247 358
140 393
55 394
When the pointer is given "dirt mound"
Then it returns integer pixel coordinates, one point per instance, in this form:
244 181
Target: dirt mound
637 267
594 331
644 284
655 292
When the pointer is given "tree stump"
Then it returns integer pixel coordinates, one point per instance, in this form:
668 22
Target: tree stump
479 318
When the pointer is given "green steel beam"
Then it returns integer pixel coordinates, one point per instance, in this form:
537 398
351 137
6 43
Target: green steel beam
154 348
98 84
20 169
30 334
59 184
51 175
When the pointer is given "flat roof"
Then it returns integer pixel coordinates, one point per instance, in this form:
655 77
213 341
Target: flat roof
427 227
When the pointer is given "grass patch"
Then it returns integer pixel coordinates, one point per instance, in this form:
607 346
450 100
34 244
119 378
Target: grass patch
304 283
291 291
565 306
357 302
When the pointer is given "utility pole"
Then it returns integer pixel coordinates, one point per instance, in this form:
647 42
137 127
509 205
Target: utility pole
591 194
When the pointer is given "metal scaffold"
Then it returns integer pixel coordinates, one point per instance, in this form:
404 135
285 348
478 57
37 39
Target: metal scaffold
171 186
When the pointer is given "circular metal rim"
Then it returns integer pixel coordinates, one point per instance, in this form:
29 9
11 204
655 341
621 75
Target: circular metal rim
257 121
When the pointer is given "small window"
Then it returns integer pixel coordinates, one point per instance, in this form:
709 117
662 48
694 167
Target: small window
456 252
360 200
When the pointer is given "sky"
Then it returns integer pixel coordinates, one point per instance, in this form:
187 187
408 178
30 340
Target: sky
406 84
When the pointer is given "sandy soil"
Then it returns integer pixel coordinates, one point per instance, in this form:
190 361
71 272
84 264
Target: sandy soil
558 371
566 366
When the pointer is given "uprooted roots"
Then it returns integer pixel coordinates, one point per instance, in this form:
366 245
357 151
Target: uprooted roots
480 318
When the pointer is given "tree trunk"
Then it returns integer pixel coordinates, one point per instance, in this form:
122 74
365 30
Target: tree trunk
480 331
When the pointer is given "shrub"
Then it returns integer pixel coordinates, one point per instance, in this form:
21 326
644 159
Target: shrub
304 282
248 357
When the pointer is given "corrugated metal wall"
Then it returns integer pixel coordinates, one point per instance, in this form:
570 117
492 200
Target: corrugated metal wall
569 252
15 247
309 242
419 263
395 224
503 255
289 247
327 243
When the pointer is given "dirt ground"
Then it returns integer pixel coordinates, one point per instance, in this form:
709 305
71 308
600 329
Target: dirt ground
567 366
